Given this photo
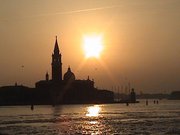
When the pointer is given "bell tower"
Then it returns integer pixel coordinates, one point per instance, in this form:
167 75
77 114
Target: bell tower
56 63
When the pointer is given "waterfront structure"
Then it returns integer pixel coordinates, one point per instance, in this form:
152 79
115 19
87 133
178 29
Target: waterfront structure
67 89
133 96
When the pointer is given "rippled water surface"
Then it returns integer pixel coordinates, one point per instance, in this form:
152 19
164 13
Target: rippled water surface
162 118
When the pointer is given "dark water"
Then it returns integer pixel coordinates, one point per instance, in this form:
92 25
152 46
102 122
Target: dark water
163 118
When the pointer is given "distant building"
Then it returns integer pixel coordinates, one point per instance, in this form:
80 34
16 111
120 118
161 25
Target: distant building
15 95
133 96
175 95
68 89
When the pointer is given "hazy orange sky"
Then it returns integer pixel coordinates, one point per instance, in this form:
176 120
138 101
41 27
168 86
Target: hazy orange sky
141 41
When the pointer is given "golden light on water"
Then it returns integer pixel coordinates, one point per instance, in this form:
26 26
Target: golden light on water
93 111
93 45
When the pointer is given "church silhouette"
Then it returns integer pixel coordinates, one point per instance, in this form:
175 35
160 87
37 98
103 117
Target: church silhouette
67 90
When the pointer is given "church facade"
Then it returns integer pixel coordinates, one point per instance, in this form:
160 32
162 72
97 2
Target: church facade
65 88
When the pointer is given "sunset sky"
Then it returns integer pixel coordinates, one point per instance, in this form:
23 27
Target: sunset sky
140 38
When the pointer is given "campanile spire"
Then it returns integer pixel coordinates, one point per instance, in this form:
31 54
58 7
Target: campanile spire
56 47
56 63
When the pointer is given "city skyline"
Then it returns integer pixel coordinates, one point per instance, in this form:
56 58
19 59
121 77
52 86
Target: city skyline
140 42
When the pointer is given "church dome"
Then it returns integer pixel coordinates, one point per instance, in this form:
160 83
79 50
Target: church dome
69 76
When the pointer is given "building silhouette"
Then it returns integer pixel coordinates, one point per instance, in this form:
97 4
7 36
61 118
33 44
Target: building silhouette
56 64
132 96
67 90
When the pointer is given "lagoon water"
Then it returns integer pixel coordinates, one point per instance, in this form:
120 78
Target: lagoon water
162 118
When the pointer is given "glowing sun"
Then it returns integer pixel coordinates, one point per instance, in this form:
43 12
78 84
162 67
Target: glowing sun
92 46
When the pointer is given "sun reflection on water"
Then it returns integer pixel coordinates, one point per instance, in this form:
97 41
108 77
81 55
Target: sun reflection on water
93 111
93 122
